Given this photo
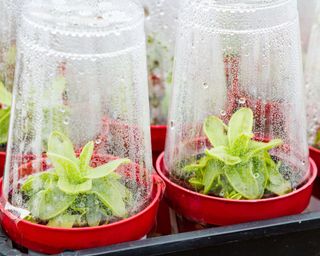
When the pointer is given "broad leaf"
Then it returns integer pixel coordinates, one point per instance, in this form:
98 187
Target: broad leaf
85 156
4 125
110 196
255 147
38 182
196 183
64 221
241 178
211 172
65 167
5 95
106 169
216 131
49 203
240 123
240 145
59 144
221 153
277 183
68 187
198 166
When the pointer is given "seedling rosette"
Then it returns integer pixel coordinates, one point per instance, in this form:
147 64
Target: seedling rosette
237 166
71 193
239 177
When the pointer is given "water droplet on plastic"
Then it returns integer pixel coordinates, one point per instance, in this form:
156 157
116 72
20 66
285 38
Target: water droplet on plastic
171 124
242 101
256 175
62 110
98 141
223 113
205 85
66 121
221 194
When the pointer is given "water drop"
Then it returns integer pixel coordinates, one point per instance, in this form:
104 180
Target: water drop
242 101
223 113
205 85
98 141
66 121
171 124
256 175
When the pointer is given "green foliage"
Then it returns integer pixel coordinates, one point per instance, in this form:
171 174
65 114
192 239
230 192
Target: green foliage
5 100
237 167
73 193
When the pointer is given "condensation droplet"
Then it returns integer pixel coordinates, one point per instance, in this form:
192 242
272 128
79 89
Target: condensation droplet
98 141
242 101
223 113
256 175
171 124
205 85
66 121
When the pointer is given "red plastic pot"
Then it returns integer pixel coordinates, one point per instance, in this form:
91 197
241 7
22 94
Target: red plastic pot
2 162
315 155
158 140
220 211
53 240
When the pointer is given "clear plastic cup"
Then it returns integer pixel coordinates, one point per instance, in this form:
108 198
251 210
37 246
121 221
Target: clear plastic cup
161 23
237 126
79 150
312 77
10 10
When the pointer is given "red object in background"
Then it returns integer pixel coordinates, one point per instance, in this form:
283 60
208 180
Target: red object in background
2 162
53 240
221 211
158 140
315 155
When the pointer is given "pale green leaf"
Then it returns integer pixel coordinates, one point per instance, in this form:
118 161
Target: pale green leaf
85 156
5 95
241 178
277 183
196 183
68 187
255 147
221 153
64 221
110 196
211 172
65 167
4 125
216 131
240 123
106 169
60 144
49 203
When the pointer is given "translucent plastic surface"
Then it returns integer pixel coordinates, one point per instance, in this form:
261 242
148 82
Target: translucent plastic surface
79 150
307 13
161 21
312 76
238 55
10 10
